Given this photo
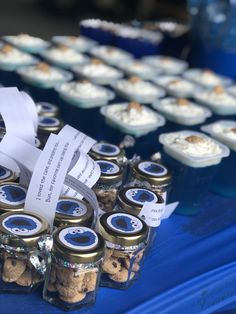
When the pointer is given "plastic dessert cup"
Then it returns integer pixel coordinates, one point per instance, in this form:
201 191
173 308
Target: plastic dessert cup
224 182
193 172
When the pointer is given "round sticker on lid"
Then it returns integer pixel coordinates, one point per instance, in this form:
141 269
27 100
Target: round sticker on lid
45 122
141 196
152 168
71 208
106 149
22 225
12 194
4 173
78 238
47 107
124 223
108 167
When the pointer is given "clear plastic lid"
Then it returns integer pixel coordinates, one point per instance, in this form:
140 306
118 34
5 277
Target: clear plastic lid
182 111
176 85
91 100
167 64
206 78
115 121
224 131
197 148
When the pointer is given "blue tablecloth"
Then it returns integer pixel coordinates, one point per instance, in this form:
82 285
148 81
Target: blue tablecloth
191 269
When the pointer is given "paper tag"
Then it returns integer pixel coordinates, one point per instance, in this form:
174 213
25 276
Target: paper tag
31 107
86 171
83 142
24 154
152 213
82 189
82 167
15 114
170 208
48 177
9 163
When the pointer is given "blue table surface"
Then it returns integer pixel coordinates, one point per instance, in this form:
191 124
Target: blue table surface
190 269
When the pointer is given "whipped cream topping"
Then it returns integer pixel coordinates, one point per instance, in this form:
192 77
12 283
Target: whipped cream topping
138 87
132 114
217 96
138 68
166 64
26 40
181 107
176 83
9 54
226 129
97 70
44 72
83 89
64 54
193 145
111 54
204 77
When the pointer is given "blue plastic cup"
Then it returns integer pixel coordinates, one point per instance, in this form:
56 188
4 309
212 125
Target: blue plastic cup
225 181
192 176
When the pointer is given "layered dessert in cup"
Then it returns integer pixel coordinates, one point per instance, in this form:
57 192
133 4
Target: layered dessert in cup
79 43
27 42
206 78
218 100
182 111
110 55
43 75
138 68
132 118
12 59
84 94
224 131
64 56
176 86
134 88
41 79
97 72
167 65
194 159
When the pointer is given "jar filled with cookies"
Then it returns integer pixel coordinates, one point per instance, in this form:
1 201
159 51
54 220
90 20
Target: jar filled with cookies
74 268
132 200
6 175
125 236
72 211
12 197
24 247
151 175
46 126
107 187
107 151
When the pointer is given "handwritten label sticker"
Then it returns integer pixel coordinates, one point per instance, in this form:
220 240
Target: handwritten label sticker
152 213
170 208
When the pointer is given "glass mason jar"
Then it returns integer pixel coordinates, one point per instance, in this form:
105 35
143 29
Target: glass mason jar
46 126
125 236
107 151
74 268
12 197
47 109
72 211
6 175
23 251
152 175
132 199
106 188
